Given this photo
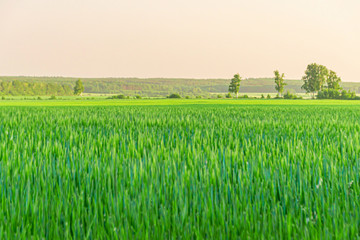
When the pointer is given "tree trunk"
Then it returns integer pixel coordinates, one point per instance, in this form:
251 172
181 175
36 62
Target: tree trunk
237 94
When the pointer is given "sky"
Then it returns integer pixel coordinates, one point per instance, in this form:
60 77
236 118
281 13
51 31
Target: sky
178 38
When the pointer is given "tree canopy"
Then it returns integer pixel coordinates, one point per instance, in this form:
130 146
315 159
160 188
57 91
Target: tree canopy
333 81
315 77
279 82
234 86
19 88
79 87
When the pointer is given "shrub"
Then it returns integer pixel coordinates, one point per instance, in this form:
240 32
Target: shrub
52 97
121 96
228 95
335 94
219 96
289 95
138 97
174 95
347 94
268 96
328 94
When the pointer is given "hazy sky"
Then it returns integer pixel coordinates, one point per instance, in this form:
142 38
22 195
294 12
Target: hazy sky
178 38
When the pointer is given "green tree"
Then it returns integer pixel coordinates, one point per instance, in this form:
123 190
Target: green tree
79 87
234 86
279 82
333 81
315 77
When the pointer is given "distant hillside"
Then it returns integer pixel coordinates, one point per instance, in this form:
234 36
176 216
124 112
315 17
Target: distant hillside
156 87
30 88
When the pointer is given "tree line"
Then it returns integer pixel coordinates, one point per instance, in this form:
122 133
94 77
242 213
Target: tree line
20 88
318 80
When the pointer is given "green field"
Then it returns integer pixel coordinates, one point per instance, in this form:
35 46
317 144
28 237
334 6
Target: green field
180 169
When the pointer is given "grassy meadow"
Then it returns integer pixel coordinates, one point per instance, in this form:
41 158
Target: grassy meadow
180 169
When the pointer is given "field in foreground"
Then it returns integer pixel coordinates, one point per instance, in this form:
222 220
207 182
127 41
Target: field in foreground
194 169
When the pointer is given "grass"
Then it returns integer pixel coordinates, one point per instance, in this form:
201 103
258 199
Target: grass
155 169
171 102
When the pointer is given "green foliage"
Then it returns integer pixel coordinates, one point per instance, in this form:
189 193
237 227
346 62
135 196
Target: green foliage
219 96
234 86
187 97
52 97
333 81
289 95
18 88
347 95
328 94
174 95
315 77
268 96
79 87
120 96
138 97
332 90
262 96
162 87
228 95
279 82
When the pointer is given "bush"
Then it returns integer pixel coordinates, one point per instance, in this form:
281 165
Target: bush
52 97
198 96
268 96
289 95
138 97
262 96
174 95
39 98
3 98
219 96
328 94
187 97
336 94
228 95
121 96
347 95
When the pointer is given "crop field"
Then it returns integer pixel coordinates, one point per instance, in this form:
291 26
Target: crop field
177 169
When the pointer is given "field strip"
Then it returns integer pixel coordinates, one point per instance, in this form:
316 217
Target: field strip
169 102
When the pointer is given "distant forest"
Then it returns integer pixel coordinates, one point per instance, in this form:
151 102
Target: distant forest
24 88
152 87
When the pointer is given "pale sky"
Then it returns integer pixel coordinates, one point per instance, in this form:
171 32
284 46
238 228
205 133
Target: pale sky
178 38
